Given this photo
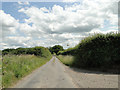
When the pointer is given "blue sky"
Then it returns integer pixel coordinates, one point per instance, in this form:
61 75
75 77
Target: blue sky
13 7
29 24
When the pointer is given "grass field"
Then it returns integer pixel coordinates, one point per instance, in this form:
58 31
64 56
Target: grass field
15 67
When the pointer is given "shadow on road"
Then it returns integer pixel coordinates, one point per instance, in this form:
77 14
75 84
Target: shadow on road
93 71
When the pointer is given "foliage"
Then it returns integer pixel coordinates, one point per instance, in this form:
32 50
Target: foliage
97 51
21 61
69 51
56 49
17 66
66 59
38 51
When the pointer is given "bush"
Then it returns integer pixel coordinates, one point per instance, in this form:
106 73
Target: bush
97 51
38 51
55 49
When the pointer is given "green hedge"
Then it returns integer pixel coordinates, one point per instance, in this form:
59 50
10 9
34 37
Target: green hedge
38 51
98 50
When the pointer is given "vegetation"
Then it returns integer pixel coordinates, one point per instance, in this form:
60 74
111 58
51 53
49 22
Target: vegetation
55 49
38 51
16 67
67 60
19 62
97 51
69 51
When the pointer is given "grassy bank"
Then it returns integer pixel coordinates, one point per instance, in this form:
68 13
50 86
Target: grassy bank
67 60
100 51
17 66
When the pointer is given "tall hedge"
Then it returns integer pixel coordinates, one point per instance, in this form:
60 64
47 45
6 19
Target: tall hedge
99 50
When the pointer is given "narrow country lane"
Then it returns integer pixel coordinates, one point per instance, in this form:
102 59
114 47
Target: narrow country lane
56 75
50 75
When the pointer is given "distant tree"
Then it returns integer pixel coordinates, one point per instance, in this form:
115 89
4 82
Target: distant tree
56 49
38 51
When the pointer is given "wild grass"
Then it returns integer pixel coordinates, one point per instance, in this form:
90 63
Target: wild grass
67 60
17 66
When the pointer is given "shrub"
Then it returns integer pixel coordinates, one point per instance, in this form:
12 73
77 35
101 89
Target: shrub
56 49
97 51
38 51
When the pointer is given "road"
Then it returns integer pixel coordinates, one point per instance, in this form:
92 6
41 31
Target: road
50 75
56 75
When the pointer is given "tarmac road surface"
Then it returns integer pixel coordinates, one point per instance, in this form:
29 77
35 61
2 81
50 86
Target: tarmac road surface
50 75
56 75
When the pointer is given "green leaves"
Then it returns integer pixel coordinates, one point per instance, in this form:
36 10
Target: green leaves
56 49
38 51
97 51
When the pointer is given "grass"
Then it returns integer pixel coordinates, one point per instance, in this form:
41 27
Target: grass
71 61
54 61
67 60
16 67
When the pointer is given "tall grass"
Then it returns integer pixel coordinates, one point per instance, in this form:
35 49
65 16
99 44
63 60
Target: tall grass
16 67
67 60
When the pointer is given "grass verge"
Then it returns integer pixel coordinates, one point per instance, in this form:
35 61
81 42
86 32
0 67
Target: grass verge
71 61
98 51
67 60
16 67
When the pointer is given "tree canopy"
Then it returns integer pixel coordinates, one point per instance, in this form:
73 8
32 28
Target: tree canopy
38 51
56 49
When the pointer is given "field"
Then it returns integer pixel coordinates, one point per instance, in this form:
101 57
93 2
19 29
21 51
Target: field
17 66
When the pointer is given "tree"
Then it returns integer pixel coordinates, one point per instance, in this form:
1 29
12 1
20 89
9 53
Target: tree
56 49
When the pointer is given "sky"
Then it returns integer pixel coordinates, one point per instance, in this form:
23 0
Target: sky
29 24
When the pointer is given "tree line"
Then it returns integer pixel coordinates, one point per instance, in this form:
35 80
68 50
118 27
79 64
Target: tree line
38 51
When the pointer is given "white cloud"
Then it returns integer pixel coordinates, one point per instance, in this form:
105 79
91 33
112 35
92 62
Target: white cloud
8 24
90 0
26 3
104 32
71 0
19 2
23 3
76 18
58 25
15 41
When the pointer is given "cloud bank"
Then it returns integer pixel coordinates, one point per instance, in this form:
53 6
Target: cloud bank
58 25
